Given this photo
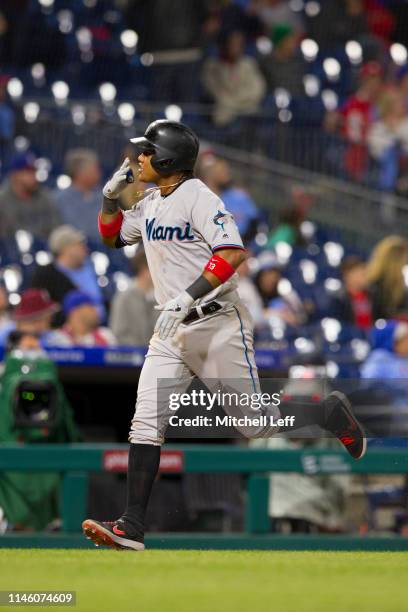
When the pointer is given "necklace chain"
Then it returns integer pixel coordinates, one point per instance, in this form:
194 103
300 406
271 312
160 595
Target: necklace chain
151 189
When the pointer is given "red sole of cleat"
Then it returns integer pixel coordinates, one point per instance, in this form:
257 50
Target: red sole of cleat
98 537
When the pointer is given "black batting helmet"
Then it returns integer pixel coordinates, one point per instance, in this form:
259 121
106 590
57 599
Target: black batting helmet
175 146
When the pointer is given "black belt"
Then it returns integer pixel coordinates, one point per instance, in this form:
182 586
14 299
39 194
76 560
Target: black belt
202 311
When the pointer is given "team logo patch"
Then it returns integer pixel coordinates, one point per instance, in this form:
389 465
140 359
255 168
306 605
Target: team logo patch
218 219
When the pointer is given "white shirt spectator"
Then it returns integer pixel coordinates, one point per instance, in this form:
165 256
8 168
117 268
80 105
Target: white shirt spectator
102 336
234 80
382 136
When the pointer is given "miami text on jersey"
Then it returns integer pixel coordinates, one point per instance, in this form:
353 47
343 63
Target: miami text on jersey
167 232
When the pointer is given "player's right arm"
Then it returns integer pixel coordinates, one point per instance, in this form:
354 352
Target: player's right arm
110 219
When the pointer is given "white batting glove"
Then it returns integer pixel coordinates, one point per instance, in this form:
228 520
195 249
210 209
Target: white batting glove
118 182
173 313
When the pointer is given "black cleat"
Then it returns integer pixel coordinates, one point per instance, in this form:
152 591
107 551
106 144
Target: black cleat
343 424
106 533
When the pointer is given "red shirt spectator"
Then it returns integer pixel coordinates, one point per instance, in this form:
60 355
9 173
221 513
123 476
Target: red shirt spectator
352 304
357 114
361 307
380 20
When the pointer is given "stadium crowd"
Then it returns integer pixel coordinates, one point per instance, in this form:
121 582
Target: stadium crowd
298 282
319 84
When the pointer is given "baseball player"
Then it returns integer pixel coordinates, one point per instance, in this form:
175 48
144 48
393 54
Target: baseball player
193 249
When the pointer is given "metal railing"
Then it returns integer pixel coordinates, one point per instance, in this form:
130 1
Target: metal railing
362 215
76 461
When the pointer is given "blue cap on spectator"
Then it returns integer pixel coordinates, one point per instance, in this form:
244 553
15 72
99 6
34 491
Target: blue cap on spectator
386 333
267 260
74 299
23 161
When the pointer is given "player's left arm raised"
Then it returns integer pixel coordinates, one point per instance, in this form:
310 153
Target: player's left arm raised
111 217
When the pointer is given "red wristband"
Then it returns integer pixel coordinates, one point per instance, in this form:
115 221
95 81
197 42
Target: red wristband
221 268
108 230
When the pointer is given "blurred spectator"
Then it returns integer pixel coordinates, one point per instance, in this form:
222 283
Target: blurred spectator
132 316
6 323
380 20
386 371
31 36
80 203
24 204
389 355
34 312
32 315
71 269
227 16
82 326
400 11
7 121
337 22
170 33
233 80
386 279
287 307
352 303
355 118
216 173
272 12
284 67
388 139
23 341
288 228
14 18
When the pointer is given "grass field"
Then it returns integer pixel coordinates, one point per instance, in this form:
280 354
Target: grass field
193 581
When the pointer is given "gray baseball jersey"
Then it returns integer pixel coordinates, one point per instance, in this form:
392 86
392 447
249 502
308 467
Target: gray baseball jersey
179 233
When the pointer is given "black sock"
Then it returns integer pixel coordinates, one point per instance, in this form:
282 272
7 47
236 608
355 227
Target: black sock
143 466
306 414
